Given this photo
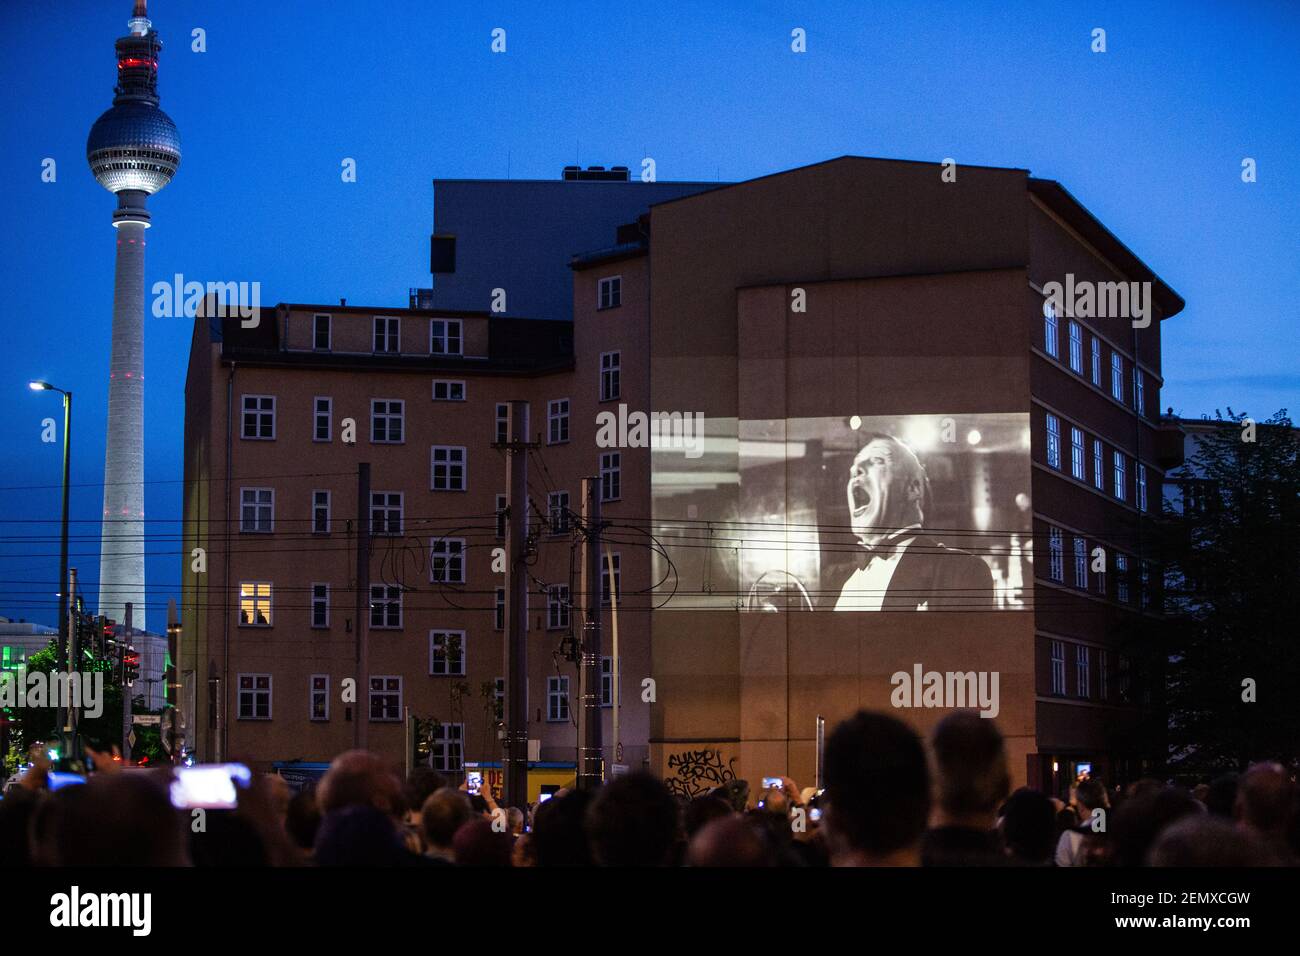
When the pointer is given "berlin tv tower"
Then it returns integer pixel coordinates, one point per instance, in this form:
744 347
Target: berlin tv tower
133 150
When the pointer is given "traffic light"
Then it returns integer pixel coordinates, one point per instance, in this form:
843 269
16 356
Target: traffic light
130 664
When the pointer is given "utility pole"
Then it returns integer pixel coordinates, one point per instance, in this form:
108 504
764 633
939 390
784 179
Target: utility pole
125 642
70 729
171 701
515 755
590 751
361 710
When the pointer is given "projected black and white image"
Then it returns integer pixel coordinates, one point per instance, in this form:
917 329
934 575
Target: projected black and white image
897 513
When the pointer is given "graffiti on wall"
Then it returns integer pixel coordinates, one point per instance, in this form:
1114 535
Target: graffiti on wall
698 771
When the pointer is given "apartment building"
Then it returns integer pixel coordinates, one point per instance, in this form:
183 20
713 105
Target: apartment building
800 316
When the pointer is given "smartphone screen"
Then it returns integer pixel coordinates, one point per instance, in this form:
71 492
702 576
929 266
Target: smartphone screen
769 782
475 781
58 779
209 786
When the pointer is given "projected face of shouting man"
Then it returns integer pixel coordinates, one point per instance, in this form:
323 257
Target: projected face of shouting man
885 489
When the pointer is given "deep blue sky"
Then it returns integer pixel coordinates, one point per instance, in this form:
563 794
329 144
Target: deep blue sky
1149 136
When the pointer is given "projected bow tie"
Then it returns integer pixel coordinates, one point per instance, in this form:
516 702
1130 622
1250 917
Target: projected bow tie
887 548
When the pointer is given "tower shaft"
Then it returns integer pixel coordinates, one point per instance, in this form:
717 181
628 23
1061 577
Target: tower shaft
121 562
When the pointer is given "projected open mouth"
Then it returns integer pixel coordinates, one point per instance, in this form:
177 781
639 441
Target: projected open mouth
861 499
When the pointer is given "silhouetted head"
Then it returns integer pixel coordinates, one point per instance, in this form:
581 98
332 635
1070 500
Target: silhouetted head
559 836
970 765
121 819
444 812
1203 840
360 778
731 841
1029 826
478 844
633 822
1264 799
877 786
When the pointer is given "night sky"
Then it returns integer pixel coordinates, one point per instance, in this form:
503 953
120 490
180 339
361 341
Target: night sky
1149 135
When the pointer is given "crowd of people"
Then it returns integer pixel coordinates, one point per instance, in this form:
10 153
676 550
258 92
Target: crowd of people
886 802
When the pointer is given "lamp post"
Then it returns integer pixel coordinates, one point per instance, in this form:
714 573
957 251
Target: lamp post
64 597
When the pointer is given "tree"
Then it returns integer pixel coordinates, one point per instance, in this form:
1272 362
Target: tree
32 725
1233 555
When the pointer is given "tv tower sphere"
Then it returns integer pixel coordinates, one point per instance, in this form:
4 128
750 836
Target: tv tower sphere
134 145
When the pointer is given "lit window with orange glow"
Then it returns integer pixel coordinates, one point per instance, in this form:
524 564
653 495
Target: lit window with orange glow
255 604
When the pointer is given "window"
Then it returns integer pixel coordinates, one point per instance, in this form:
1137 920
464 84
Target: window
557 511
1139 391
1142 487
557 606
1098 471
1121 578
256 510
557 698
386 512
1056 554
448 753
319 697
1082 675
610 292
447 466
1116 376
1076 347
610 365
1050 330
385 698
1080 563
447 653
323 416
501 516
611 481
1125 677
1054 441
387 334
1103 674
499 699
255 604
604 578
386 419
1058 668
1121 480
259 417
1099 576
320 605
445 337
502 423
320 512
447 561
1077 467
448 391
254 696
1144 583
557 421
321 333
385 606
607 682
1096 361
499 609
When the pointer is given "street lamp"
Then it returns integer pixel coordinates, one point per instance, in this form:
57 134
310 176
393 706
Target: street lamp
64 596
